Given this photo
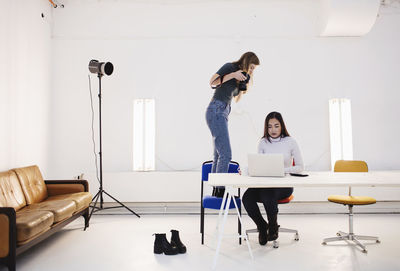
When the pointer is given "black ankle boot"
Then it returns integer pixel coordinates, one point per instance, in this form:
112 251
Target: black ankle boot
161 245
273 232
273 227
176 242
218 191
263 234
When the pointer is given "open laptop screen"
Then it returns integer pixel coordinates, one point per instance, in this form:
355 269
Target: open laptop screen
266 165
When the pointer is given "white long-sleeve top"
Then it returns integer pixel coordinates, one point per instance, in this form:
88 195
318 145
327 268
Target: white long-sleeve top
288 147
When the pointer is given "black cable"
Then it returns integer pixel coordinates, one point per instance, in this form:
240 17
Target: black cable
94 142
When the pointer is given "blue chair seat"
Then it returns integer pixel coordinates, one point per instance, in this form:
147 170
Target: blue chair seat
211 202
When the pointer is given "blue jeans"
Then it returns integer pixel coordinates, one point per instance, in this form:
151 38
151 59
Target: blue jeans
217 120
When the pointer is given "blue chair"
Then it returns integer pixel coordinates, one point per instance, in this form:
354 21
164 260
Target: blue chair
211 202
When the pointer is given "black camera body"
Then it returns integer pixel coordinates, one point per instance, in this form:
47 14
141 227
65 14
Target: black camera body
243 84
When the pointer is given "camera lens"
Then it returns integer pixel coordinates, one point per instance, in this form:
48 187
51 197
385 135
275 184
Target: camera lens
243 84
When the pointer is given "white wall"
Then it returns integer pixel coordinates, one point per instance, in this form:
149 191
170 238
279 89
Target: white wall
168 50
25 51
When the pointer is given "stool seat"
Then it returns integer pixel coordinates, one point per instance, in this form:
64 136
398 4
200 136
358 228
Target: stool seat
351 200
286 200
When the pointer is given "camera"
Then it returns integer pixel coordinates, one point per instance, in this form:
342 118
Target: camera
243 84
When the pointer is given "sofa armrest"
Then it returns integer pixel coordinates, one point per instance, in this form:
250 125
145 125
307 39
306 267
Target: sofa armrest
61 187
8 232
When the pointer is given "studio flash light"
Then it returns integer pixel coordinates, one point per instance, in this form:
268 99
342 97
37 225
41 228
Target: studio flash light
101 68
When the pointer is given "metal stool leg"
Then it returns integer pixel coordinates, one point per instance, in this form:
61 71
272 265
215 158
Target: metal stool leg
344 236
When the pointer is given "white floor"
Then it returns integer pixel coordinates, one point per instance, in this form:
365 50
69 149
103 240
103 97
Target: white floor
124 242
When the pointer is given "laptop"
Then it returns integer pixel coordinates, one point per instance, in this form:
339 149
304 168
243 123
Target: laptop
266 165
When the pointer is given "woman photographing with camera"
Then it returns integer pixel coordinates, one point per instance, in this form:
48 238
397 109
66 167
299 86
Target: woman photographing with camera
229 82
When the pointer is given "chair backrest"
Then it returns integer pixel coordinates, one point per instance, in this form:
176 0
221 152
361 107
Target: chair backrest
206 169
350 166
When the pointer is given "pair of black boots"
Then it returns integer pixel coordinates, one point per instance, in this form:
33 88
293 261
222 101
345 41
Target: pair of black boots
268 232
161 244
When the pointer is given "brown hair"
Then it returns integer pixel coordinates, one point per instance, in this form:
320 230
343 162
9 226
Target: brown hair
246 59
277 116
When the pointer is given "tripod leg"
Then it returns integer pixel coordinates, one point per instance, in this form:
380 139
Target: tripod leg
86 216
121 204
91 212
95 196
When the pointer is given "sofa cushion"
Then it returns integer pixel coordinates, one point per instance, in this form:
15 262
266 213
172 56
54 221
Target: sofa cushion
81 199
31 223
32 184
11 194
61 209
67 188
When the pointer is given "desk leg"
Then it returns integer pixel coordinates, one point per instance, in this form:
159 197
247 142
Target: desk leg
221 227
221 209
243 229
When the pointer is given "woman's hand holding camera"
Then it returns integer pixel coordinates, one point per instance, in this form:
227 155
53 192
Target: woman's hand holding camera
238 75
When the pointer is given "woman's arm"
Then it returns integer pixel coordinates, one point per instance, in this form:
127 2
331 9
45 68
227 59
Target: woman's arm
216 78
298 160
261 146
237 97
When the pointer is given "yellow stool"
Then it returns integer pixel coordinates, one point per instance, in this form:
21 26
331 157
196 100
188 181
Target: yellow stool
351 166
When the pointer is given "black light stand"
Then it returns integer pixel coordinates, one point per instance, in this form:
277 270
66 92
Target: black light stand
99 194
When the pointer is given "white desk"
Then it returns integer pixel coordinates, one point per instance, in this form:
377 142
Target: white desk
315 179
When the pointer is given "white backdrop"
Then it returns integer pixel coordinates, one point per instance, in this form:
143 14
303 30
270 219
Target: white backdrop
168 50
25 79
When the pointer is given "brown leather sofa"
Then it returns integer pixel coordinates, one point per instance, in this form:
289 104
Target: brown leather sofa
32 209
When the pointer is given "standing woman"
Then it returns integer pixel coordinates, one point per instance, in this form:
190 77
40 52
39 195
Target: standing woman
229 82
276 139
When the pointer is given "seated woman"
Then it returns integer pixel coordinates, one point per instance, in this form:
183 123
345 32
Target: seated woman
276 139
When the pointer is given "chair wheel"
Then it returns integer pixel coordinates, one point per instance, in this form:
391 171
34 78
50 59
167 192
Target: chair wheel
378 241
324 243
364 251
338 234
296 239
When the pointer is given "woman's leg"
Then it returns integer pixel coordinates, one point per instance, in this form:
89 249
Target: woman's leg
217 121
250 199
270 197
223 147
